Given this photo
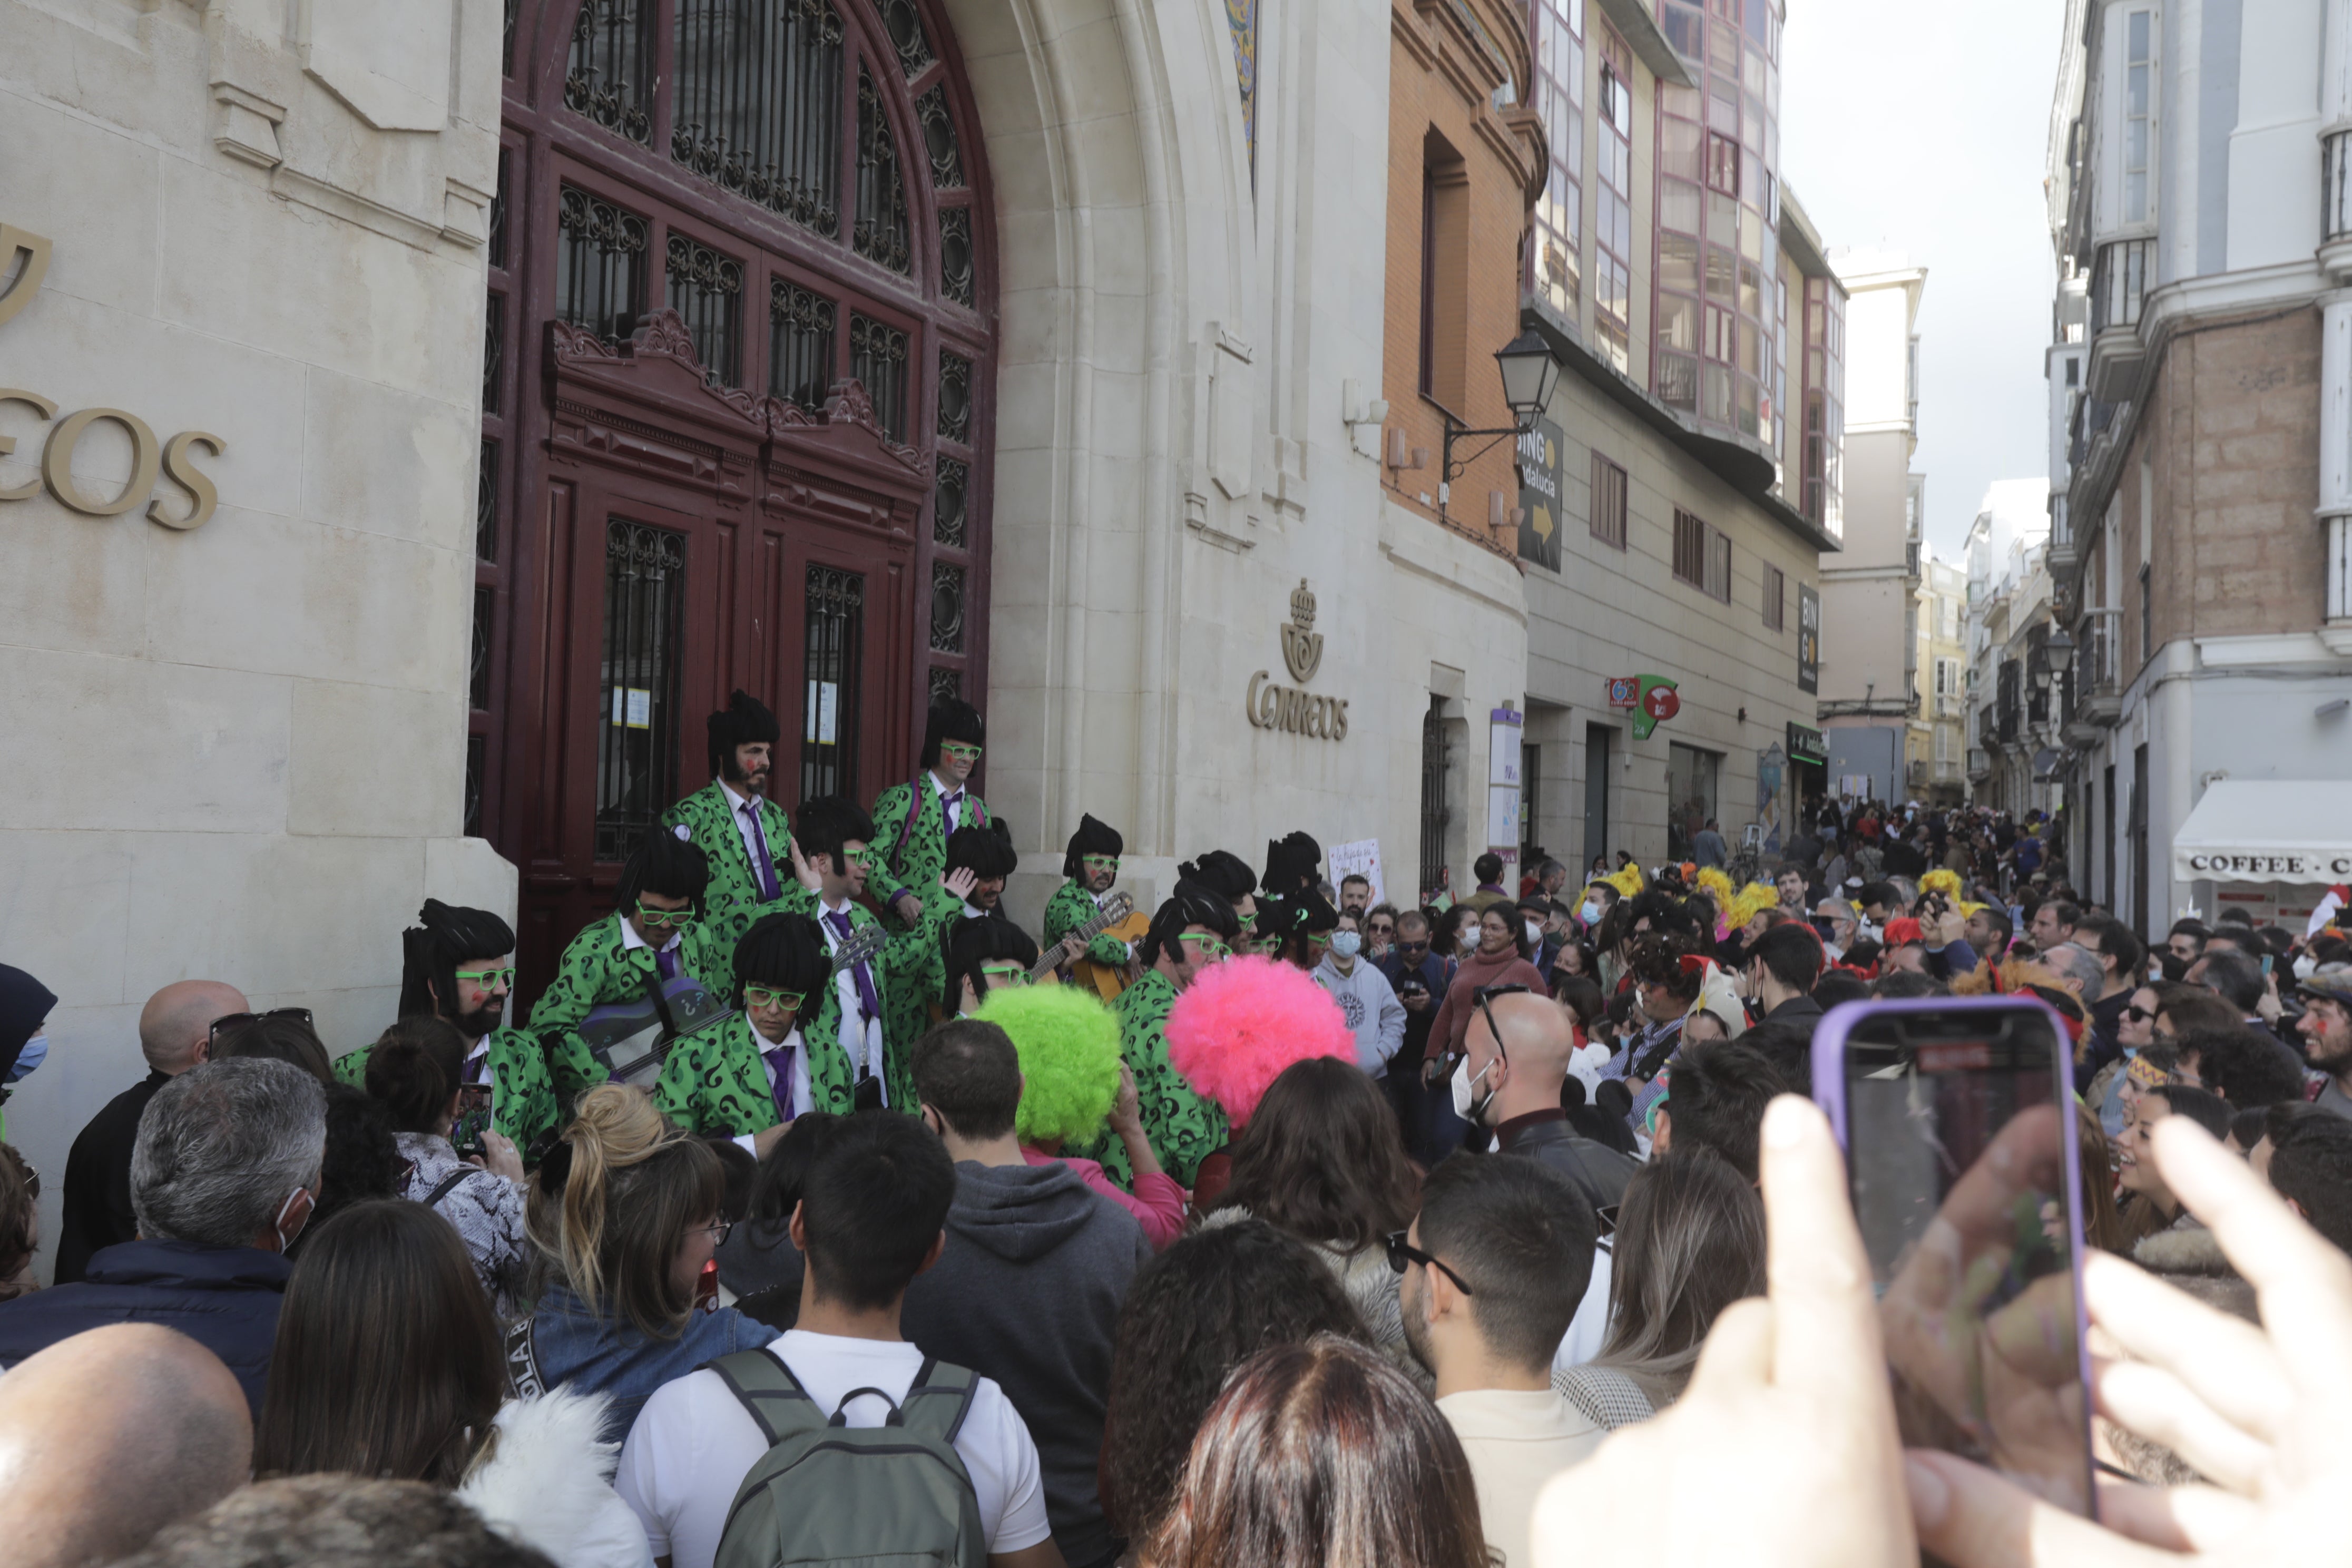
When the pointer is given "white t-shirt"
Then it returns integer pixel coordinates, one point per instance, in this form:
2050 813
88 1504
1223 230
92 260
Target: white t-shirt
693 1443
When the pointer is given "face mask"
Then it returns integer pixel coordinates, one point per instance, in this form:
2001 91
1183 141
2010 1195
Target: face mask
1466 1087
1346 943
285 1237
1589 913
36 1051
1534 930
2305 967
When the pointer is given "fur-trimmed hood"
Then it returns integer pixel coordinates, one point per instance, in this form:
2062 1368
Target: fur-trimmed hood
546 1483
2188 1254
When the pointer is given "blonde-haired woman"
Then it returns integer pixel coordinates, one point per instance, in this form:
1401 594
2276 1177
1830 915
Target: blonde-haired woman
625 1216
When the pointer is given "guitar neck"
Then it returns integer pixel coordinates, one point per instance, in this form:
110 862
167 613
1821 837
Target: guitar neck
1103 921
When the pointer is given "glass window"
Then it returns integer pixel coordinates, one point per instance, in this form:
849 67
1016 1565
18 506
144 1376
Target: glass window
1692 779
830 665
636 751
2137 66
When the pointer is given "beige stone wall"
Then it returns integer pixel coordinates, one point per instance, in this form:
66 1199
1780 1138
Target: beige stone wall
1612 612
235 752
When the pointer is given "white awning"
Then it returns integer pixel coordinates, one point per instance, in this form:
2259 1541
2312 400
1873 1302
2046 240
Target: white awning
2267 830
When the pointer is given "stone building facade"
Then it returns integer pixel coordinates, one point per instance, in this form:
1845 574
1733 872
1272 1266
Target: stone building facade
2201 384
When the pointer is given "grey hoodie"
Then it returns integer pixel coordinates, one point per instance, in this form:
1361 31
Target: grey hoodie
1027 1291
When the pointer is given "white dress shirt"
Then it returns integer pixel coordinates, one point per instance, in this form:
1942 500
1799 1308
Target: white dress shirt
863 1046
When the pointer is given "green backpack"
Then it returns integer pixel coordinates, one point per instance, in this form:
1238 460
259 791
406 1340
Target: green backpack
893 1496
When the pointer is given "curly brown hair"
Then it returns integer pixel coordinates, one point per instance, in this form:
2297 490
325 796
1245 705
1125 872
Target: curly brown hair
1658 960
1322 1158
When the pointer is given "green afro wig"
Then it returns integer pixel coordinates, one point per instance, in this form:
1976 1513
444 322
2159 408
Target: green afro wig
1068 1044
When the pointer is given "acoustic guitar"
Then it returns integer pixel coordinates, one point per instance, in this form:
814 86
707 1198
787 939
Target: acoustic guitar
632 1039
1117 915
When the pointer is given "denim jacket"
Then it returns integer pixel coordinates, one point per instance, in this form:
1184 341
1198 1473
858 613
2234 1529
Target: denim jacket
577 1349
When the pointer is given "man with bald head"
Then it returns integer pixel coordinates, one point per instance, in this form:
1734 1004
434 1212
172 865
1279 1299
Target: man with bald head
174 1034
108 1436
1517 1046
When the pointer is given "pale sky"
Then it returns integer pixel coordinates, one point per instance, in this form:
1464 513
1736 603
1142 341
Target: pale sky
1920 128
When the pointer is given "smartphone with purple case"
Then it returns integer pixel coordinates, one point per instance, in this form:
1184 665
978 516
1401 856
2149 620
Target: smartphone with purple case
1963 1157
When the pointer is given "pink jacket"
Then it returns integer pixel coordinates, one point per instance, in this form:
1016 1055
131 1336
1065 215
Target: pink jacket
1157 1203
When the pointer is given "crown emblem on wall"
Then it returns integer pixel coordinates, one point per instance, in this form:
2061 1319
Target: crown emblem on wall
1302 646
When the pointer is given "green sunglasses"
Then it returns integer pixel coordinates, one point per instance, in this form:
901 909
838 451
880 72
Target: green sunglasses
1005 973
653 917
1208 946
958 749
488 979
769 997
1100 862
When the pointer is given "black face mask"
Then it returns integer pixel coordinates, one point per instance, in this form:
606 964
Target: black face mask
1828 930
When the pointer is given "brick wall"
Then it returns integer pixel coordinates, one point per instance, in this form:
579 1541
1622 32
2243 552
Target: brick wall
2230 445
1440 88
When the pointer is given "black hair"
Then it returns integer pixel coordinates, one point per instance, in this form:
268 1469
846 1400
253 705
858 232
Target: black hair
1663 910
445 936
1294 863
1522 1237
2237 976
969 1072
2115 941
1998 919
2312 1164
1581 995
414 1068
1840 985
782 950
1292 919
360 1162
970 943
665 864
1094 836
1221 872
1788 1047
873 1204
1716 1094
1883 893
783 1170
2243 1066
744 721
740 1171
1792 953
827 823
1906 984
2068 913
986 851
1187 904
1487 867
2208 1110
2198 930
950 719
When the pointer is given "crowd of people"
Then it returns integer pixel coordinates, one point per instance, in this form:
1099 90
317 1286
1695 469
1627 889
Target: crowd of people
1274 1225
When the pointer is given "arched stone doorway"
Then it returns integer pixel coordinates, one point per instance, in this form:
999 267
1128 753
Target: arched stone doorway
739 408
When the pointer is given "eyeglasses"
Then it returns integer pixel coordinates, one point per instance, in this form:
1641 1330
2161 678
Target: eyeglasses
1402 1254
236 1020
769 997
961 752
1206 946
1404 946
2138 1014
717 1230
1099 862
650 916
490 979
1383 928
1004 974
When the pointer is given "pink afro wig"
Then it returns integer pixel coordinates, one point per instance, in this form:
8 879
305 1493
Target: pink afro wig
1243 1021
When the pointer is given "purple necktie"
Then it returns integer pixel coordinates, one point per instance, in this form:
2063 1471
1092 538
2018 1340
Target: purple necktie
781 1059
763 865
666 959
866 1000
948 810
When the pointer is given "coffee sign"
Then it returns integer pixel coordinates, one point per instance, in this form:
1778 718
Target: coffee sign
1276 707
173 459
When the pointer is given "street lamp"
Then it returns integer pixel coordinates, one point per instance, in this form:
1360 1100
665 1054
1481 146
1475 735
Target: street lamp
2058 644
1529 372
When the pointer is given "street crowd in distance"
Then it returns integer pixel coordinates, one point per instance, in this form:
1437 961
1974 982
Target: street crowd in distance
818 1212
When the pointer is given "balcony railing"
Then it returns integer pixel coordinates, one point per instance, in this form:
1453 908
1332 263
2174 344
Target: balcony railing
2334 186
2098 670
2119 283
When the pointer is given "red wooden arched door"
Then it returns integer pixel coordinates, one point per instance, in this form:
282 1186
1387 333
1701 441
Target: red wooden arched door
739 349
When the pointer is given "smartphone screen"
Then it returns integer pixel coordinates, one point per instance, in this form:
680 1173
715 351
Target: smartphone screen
1962 1155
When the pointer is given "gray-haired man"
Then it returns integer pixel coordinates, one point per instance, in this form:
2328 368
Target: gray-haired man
223 1178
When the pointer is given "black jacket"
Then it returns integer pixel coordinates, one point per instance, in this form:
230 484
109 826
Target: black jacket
1600 1173
1798 1012
224 1298
98 1181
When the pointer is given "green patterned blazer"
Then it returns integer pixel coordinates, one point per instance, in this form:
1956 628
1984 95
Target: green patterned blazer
915 863
600 968
523 1106
715 1082
733 901
1183 1126
1072 907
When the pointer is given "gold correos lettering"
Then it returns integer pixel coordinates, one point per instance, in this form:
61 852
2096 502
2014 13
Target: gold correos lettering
36 251
48 411
181 470
1340 733
56 461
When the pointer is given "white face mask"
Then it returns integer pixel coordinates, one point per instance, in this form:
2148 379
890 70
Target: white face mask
2304 968
1535 931
1346 943
1466 1105
1589 913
